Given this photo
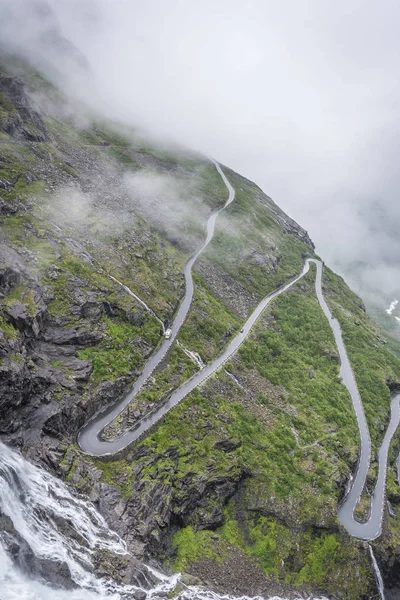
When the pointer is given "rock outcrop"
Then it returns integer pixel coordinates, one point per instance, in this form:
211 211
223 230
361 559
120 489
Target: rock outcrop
17 116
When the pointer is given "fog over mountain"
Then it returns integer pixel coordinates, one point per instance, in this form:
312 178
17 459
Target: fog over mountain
302 97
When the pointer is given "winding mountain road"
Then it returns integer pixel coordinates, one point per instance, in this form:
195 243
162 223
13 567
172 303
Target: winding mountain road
372 528
90 436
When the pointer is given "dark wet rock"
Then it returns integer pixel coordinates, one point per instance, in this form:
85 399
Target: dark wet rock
106 393
79 335
196 500
332 354
394 386
14 383
68 417
53 272
227 445
59 423
88 304
4 185
44 377
47 394
91 311
9 278
139 452
28 318
30 177
122 569
50 353
80 369
270 261
136 317
293 228
54 572
12 268
21 121
6 208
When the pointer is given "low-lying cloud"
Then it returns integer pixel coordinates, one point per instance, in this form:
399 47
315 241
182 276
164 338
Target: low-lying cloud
170 204
302 97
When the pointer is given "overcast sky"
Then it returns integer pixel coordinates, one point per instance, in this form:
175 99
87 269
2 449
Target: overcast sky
301 96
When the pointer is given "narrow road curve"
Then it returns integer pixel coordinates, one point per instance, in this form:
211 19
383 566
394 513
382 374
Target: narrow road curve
372 528
90 441
89 436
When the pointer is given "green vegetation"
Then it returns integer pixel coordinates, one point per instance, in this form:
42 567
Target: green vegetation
154 273
317 559
116 355
31 77
115 145
25 296
326 552
120 471
6 107
8 329
210 186
298 352
249 230
18 171
178 369
123 156
191 546
264 538
101 134
209 325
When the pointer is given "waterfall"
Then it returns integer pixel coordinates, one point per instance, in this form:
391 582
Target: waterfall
62 531
378 576
57 528
16 586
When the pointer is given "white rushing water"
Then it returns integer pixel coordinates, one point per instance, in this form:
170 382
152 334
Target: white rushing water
145 306
58 526
194 356
16 586
378 576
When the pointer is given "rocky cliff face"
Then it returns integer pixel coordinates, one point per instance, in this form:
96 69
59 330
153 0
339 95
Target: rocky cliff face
240 483
18 119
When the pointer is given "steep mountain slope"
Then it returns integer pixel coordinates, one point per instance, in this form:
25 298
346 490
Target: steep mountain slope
240 484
